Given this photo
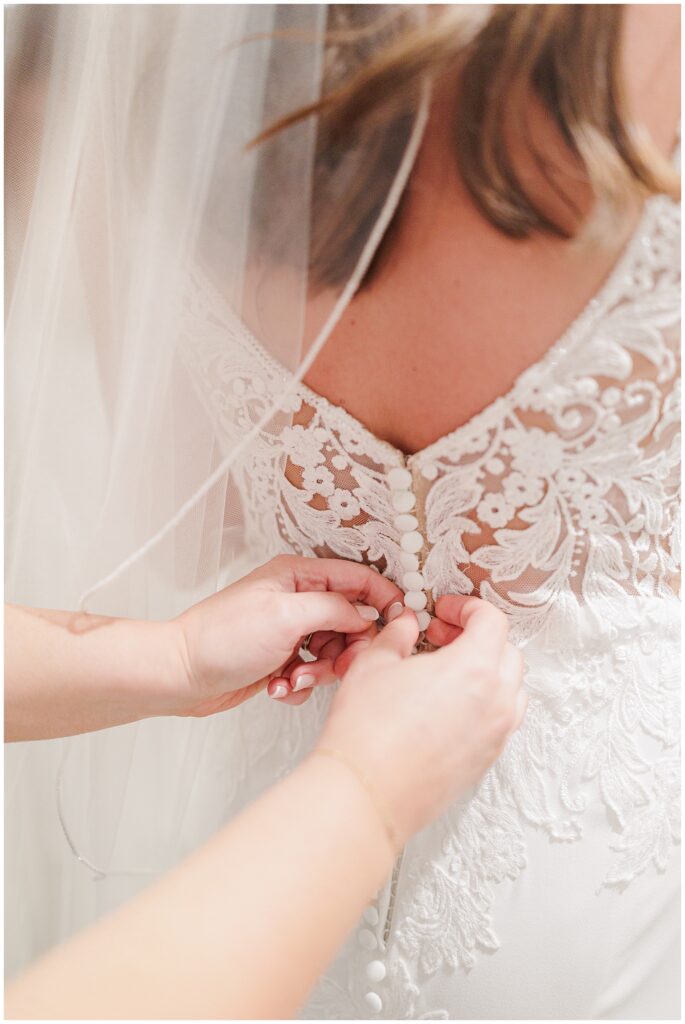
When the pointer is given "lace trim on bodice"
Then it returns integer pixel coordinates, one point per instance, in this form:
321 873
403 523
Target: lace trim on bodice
563 490
558 503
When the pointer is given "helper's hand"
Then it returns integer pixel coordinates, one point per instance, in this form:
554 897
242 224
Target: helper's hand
247 636
425 729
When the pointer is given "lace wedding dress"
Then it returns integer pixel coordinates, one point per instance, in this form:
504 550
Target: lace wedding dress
551 892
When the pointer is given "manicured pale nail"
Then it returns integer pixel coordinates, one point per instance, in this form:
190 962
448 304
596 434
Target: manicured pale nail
303 681
279 690
394 610
367 613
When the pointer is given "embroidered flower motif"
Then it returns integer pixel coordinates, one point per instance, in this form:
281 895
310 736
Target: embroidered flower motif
351 443
535 452
344 504
495 510
318 480
588 500
495 466
302 448
587 491
533 385
523 490
570 479
592 513
473 440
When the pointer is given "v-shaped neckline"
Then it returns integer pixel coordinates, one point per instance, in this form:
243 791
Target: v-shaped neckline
560 348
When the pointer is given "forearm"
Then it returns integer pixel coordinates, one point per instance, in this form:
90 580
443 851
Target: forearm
243 928
69 672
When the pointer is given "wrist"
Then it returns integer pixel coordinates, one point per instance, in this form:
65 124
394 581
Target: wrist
347 777
380 805
161 683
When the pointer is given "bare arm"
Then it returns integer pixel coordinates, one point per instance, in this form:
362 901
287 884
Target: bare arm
242 929
70 672
247 924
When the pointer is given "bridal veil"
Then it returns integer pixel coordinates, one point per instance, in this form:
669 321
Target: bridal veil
129 173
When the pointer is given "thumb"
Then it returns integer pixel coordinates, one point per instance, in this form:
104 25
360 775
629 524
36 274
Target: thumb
395 641
316 610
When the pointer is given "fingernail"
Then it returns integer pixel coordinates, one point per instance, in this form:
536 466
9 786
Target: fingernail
303 681
394 610
367 613
279 690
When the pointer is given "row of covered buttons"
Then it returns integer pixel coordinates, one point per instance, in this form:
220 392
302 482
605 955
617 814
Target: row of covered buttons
375 969
411 542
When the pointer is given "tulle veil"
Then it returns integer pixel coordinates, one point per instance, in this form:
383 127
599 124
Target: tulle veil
129 176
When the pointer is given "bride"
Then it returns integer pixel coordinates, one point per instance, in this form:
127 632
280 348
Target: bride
428 322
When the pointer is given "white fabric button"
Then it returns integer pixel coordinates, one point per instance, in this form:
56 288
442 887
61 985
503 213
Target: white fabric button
374 1002
429 472
416 600
367 939
412 542
375 971
408 560
413 580
423 619
403 501
399 479
371 915
406 522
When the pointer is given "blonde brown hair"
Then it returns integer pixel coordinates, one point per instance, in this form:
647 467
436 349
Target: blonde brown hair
564 56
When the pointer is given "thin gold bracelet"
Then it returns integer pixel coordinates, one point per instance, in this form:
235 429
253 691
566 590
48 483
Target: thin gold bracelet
380 805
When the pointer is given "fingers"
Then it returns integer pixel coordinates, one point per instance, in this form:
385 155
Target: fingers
355 645
319 642
279 689
322 610
396 640
299 677
440 633
307 674
482 623
358 583
334 654
335 645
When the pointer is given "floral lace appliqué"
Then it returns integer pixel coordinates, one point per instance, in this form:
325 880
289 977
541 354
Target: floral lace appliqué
559 504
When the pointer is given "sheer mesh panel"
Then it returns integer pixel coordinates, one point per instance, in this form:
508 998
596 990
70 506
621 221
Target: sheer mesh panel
562 491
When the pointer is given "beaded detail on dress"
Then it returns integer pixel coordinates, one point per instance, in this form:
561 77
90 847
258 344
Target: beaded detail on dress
559 504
